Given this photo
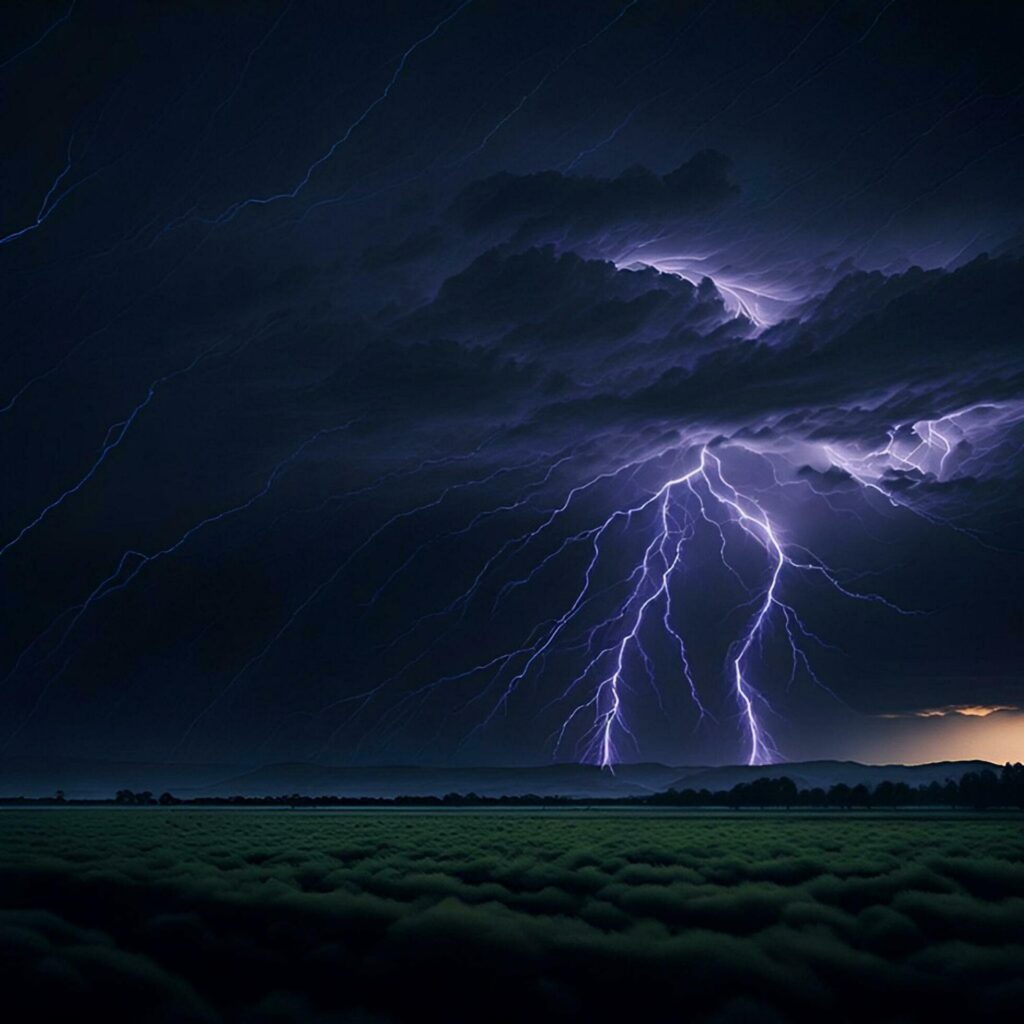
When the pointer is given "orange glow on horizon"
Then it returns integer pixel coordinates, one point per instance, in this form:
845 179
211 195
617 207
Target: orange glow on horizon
968 710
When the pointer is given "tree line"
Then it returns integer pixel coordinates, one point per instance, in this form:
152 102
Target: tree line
980 790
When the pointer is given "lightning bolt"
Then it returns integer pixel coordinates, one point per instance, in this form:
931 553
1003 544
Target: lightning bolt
115 435
55 195
703 500
249 59
614 133
237 207
132 562
719 504
527 96
31 46
327 581
944 448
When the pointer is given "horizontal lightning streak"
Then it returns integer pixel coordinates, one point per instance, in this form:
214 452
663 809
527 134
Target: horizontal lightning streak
527 96
116 433
31 46
235 208
117 580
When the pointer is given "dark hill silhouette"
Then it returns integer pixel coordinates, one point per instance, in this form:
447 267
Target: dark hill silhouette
84 779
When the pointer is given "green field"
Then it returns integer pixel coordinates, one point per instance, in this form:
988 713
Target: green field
173 915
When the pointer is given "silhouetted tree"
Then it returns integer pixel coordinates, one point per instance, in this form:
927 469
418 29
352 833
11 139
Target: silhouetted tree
860 795
980 789
1011 785
839 795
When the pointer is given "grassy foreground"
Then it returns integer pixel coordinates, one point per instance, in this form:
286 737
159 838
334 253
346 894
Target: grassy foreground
183 915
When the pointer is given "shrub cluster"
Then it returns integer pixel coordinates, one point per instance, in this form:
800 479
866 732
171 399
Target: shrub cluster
412 915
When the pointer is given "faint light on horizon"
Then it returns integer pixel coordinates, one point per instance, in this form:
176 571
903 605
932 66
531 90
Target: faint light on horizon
965 710
952 732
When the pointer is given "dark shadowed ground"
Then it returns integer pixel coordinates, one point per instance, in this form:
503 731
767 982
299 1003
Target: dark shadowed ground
182 915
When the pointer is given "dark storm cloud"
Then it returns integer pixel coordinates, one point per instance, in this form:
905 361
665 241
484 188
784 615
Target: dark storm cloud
832 479
416 246
944 344
549 201
579 340
550 302
518 328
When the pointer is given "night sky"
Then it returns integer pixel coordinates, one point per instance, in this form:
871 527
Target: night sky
498 382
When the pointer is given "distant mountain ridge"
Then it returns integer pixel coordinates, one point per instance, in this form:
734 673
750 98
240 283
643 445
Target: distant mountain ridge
88 779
